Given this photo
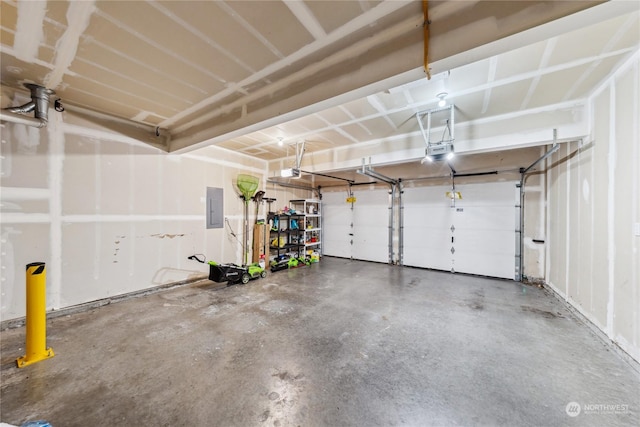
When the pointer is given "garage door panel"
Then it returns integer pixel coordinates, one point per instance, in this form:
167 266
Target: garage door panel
427 219
336 216
419 216
370 216
485 241
484 264
489 194
484 223
425 247
437 260
429 254
334 200
371 226
336 225
371 244
486 218
337 241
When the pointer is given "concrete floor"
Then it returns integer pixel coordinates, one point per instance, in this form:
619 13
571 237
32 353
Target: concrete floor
338 343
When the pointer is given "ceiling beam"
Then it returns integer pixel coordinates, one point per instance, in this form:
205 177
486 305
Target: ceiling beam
362 21
78 17
306 18
413 142
29 29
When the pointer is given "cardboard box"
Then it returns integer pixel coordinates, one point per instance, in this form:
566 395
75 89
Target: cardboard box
259 242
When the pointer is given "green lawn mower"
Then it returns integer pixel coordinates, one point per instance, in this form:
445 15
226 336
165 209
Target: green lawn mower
231 273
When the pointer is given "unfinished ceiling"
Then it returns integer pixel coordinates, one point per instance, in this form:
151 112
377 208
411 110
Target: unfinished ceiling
235 73
497 96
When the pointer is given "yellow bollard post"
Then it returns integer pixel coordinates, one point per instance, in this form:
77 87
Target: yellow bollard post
36 347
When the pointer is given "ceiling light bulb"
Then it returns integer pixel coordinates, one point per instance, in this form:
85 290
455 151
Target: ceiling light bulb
280 141
441 96
442 103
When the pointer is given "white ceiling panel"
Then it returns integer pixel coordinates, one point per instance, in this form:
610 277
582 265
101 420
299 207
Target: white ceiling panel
474 74
241 74
360 108
274 23
599 38
591 78
520 61
506 98
358 131
335 115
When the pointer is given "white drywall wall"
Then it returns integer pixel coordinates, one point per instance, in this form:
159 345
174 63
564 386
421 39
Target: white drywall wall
108 214
594 211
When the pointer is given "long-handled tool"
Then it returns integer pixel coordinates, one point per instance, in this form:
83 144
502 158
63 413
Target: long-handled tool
258 199
247 185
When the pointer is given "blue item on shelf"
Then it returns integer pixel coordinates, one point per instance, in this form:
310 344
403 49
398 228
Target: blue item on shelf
39 423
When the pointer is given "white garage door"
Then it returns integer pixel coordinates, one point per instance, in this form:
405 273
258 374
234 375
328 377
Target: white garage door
337 218
477 236
427 237
359 233
371 226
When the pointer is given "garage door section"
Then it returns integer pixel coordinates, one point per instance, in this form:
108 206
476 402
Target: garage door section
476 236
485 229
337 220
358 233
371 226
427 237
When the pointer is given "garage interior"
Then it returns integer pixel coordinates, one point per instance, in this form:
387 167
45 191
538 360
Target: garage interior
475 180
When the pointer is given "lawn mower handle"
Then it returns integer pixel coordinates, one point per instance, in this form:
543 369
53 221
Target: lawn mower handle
197 258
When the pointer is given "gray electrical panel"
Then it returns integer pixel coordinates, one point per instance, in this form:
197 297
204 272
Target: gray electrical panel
215 208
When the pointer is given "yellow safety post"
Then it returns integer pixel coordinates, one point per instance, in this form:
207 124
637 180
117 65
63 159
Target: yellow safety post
36 348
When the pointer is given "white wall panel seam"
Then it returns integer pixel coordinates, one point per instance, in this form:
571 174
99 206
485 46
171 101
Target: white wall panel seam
25 218
547 225
56 164
611 252
593 204
542 256
580 309
131 200
97 239
567 225
578 218
635 204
